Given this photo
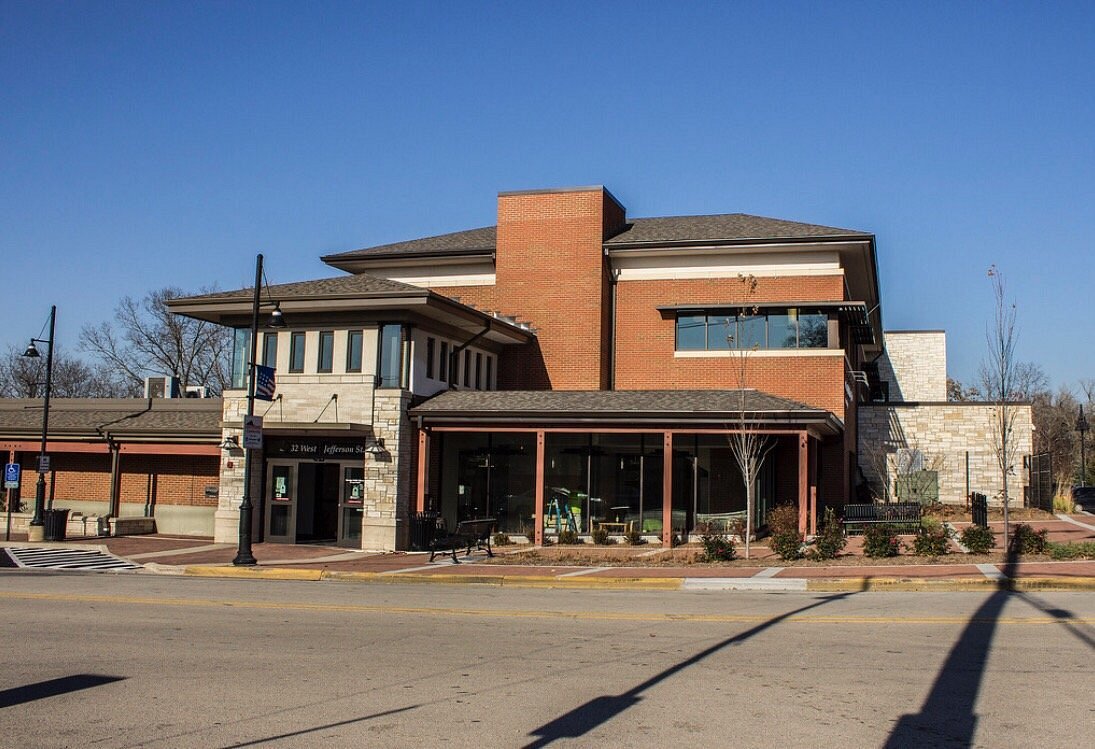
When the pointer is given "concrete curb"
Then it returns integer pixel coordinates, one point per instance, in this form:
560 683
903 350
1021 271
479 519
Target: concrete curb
779 584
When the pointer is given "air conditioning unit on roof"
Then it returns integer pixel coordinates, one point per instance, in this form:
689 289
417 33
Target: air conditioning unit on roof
196 391
161 387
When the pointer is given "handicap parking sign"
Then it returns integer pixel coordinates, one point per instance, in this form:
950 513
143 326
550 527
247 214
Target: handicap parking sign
11 475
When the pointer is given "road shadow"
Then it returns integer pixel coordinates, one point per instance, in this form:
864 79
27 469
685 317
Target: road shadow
53 687
584 718
947 717
313 729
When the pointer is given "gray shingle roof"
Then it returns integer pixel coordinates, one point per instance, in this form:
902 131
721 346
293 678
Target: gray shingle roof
359 284
733 227
607 402
470 241
729 227
84 417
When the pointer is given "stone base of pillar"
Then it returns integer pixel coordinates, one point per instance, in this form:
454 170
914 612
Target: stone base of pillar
384 534
36 533
226 527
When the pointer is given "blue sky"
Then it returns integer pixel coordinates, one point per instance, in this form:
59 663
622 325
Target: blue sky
153 144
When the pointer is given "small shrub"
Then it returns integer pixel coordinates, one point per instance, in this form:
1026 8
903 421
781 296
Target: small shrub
881 541
600 537
831 540
635 538
717 547
569 537
932 540
786 540
1076 550
1062 504
1026 540
977 539
500 539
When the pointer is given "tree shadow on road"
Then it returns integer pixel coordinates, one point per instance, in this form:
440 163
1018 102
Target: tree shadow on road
584 718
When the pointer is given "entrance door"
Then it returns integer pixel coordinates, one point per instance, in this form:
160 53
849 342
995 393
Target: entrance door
351 507
317 502
281 501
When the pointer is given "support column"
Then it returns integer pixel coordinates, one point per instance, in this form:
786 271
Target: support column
114 507
423 468
803 479
538 510
667 491
813 454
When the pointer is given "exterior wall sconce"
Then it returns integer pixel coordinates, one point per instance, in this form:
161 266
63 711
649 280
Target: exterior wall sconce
376 447
231 442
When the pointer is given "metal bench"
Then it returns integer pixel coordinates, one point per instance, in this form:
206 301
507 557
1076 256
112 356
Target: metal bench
903 515
468 533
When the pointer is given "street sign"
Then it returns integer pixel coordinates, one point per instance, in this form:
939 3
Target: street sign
43 464
252 432
11 475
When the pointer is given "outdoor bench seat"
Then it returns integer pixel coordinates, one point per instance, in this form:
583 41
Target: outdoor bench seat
468 533
904 515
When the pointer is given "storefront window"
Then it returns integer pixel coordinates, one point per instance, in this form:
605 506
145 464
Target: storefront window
489 475
708 492
389 356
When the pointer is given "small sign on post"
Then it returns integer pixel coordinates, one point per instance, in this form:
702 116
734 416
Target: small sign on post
43 464
12 472
252 432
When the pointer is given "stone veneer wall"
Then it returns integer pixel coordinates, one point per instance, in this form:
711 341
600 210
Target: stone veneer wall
388 476
915 365
943 432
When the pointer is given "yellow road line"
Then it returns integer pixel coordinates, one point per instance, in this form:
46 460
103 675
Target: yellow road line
533 614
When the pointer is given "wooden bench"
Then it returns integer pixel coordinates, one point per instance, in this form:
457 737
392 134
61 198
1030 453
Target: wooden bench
904 515
468 533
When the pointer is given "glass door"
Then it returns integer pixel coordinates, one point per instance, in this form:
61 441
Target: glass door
351 506
281 500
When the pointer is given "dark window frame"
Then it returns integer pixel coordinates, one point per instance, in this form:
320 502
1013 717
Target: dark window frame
735 322
351 336
297 351
443 363
325 364
267 359
431 345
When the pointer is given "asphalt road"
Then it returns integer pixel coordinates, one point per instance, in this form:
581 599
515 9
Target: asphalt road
125 660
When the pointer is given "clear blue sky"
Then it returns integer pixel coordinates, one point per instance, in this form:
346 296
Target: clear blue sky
151 144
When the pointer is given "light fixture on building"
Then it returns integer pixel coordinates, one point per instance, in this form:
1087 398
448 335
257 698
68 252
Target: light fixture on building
376 447
231 442
277 320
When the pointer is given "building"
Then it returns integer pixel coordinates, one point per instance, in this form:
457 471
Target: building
137 459
916 445
568 367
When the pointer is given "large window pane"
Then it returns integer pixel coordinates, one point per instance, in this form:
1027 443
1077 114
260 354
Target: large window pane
813 330
270 350
241 350
691 333
389 356
721 334
783 329
489 475
751 332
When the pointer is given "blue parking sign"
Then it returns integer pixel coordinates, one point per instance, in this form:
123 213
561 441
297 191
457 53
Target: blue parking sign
11 475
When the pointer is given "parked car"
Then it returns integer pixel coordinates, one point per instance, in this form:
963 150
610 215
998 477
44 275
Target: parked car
1083 498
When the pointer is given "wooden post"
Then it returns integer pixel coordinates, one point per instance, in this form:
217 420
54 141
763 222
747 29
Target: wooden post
813 486
803 479
423 468
538 510
667 491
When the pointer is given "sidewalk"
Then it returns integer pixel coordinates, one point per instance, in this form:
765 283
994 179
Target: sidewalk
201 557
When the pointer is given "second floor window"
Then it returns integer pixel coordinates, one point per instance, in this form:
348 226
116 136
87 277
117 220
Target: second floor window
490 372
325 362
443 363
390 356
270 350
766 329
296 352
478 371
429 357
467 368
353 351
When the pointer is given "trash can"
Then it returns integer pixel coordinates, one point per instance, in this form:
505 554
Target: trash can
979 505
423 527
55 522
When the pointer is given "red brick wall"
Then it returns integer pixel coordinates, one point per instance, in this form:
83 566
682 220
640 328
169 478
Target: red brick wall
175 479
646 340
550 270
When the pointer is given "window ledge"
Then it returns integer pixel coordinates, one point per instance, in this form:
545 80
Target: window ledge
760 353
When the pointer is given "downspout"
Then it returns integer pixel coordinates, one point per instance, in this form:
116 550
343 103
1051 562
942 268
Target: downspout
454 355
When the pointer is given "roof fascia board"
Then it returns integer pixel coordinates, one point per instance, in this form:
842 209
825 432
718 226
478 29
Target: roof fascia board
767 244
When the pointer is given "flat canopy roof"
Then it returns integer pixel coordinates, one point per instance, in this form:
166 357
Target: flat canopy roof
623 408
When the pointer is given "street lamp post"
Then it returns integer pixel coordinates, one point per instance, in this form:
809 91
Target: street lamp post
1082 427
244 555
36 530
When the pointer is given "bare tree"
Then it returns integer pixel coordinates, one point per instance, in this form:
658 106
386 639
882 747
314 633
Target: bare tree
146 338
1000 379
748 444
23 377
